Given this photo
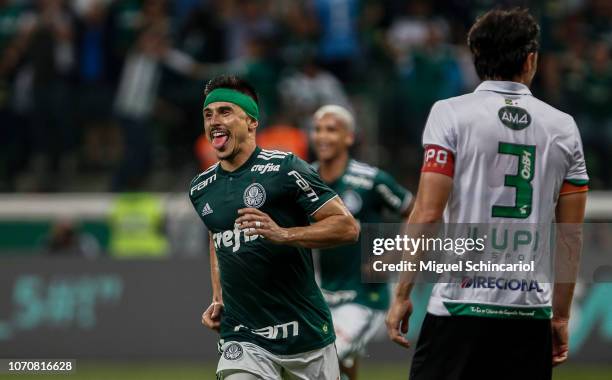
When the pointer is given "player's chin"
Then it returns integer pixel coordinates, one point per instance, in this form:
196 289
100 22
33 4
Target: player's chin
324 154
224 152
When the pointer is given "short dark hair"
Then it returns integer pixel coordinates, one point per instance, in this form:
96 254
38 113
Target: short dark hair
501 40
233 82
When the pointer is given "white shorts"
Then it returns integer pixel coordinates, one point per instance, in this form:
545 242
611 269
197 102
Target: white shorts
355 326
319 364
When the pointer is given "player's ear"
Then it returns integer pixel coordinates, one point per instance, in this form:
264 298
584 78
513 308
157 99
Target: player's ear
350 138
252 124
530 65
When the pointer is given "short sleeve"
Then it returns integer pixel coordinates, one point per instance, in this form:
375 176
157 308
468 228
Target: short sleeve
391 194
576 178
302 180
440 127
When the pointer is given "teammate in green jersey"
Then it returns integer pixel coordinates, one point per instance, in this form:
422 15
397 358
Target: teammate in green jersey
265 210
358 309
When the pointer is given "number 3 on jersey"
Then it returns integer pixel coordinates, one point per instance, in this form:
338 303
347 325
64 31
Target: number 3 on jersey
521 181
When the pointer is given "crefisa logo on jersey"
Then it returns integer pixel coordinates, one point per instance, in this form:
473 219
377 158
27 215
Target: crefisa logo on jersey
262 169
254 195
233 352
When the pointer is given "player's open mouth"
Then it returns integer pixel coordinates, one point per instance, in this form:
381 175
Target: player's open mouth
322 147
219 138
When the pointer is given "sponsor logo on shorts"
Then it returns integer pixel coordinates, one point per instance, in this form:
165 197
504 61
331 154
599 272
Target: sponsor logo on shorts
233 352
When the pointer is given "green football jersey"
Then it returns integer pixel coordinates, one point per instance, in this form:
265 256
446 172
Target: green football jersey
366 192
270 294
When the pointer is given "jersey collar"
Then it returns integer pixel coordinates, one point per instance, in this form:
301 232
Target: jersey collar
247 164
504 87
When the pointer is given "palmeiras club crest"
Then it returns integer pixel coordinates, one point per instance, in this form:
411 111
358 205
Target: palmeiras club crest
233 352
254 195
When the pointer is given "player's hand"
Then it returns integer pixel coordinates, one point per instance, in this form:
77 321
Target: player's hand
397 321
257 222
211 317
560 340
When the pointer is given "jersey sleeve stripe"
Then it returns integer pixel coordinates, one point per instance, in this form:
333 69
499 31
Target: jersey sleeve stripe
324 203
363 170
577 181
570 188
268 158
363 166
211 168
266 152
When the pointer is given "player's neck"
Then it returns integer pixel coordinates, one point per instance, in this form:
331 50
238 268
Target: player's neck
522 79
237 160
332 169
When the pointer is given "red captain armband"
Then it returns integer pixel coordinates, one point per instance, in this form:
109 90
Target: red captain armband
438 159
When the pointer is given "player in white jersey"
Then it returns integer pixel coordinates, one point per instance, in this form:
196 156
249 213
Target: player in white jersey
498 156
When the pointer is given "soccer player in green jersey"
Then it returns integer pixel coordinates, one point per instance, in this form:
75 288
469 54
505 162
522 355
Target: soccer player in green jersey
358 309
265 210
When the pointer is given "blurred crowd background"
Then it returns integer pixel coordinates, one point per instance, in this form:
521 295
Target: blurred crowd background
106 95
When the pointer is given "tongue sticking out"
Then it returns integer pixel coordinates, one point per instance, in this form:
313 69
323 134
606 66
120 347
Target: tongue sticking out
219 141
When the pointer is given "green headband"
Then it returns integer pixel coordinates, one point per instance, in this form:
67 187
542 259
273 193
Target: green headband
243 101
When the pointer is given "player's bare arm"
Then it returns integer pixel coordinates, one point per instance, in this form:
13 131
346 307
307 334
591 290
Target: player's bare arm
570 215
211 317
432 195
334 225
